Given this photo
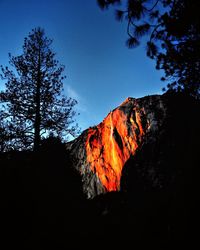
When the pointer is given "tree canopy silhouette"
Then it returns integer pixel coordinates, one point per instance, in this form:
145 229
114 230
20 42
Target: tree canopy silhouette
33 104
173 27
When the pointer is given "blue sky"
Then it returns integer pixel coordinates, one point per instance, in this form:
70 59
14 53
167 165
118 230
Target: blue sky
101 71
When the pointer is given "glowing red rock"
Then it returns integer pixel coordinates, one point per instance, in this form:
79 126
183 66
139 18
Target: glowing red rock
110 144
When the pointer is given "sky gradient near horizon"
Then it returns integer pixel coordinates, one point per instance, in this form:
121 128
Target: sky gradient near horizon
101 71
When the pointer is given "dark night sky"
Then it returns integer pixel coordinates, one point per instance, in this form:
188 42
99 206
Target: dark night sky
101 71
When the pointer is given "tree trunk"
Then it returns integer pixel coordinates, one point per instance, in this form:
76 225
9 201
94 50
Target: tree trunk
37 128
37 112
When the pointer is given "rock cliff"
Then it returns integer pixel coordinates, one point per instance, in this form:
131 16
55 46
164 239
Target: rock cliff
100 152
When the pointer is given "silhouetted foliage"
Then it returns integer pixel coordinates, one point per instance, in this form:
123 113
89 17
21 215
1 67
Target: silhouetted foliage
4 134
52 144
42 204
33 104
173 27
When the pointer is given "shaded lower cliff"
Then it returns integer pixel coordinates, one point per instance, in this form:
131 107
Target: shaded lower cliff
171 153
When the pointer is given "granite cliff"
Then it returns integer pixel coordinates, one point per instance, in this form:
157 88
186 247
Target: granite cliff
100 152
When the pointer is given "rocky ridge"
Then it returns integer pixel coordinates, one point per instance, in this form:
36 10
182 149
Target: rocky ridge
100 152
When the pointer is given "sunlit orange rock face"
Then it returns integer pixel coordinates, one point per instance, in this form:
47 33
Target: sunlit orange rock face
110 144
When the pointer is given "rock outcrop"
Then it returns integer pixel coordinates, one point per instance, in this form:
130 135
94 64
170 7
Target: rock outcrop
100 152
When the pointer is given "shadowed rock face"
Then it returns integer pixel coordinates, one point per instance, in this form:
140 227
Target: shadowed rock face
100 152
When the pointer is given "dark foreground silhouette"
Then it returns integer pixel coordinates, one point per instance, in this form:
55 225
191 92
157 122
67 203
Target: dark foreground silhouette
42 204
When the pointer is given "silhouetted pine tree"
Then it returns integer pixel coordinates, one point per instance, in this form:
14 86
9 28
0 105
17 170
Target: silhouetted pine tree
33 104
173 27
